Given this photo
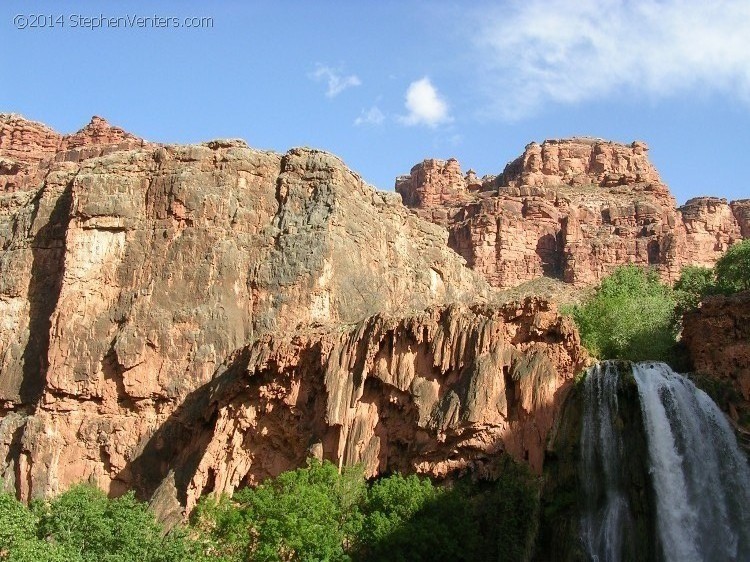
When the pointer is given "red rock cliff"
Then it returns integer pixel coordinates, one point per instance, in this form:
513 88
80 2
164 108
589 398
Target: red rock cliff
439 392
27 148
180 319
573 209
717 336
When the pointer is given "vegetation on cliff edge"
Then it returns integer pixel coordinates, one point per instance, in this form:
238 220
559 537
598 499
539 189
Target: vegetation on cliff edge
629 316
633 315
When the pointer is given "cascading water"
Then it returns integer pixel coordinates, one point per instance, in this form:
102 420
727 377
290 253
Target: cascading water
606 521
700 479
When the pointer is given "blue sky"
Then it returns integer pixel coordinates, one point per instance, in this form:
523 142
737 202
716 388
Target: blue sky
387 84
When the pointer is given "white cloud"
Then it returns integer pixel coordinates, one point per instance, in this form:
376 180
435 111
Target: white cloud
542 51
372 116
337 83
425 105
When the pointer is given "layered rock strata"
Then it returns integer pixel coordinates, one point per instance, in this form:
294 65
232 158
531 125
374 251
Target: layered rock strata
573 209
180 319
28 149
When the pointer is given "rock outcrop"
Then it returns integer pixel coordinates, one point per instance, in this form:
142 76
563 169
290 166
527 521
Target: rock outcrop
573 209
177 319
717 337
439 392
28 148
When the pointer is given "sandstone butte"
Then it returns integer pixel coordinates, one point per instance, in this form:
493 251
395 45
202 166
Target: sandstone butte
572 209
186 319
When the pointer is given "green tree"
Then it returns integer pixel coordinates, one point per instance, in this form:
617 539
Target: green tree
733 268
315 513
506 512
100 529
410 519
307 514
18 536
694 284
631 315
17 523
223 528
391 502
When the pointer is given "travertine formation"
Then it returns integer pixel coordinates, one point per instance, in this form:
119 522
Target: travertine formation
178 319
573 209
438 392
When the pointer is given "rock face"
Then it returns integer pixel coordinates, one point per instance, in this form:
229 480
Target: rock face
717 336
573 209
28 149
437 392
178 319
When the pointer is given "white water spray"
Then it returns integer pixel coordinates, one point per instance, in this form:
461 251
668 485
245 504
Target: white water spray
607 518
700 477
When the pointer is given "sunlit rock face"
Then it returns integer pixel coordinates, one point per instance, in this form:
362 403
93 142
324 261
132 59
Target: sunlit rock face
574 209
440 392
181 319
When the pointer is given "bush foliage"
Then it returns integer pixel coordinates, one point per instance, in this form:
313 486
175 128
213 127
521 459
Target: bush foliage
633 315
83 525
315 513
733 269
630 316
694 284
309 514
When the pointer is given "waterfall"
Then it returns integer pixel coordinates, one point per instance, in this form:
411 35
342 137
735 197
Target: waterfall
606 519
700 479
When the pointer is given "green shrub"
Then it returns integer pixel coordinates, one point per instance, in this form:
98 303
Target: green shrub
17 523
411 519
307 514
315 513
84 520
83 525
631 315
733 268
393 500
694 284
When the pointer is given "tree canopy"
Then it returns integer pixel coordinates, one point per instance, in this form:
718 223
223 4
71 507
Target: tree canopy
629 316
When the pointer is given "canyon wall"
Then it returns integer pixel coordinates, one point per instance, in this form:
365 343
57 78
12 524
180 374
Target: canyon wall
180 319
717 337
441 392
573 209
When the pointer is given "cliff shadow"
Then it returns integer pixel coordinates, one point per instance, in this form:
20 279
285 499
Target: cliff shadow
549 248
467 520
178 445
47 270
